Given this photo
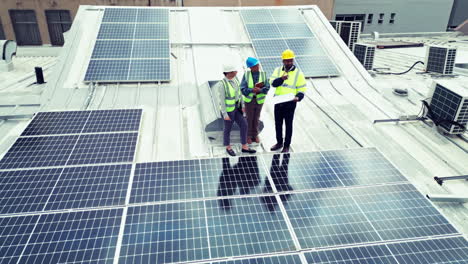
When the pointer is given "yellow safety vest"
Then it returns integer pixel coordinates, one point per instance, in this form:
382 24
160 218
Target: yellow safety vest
250 85
296 82
230 95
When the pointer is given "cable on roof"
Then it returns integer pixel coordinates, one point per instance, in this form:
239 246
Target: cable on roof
400 73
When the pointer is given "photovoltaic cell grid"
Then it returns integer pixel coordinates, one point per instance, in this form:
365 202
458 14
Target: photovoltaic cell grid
272 31
132 45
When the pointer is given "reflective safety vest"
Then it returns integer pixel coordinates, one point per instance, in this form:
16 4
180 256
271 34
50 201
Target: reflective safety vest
250 85
296 82
230 95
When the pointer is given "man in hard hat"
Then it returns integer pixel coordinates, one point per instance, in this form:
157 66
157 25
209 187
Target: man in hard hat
254 87
287 79
231 105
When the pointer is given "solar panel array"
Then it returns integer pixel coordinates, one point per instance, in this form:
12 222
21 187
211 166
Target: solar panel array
274 30
132 46
344 206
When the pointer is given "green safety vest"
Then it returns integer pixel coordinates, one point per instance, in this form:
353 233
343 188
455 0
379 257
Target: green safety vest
230 95
295 83
250 85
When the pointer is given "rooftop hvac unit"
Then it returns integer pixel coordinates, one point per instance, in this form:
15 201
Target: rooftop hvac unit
365 54
448 106
348 30
440 59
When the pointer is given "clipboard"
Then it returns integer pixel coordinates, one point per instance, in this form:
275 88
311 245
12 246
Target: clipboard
278 99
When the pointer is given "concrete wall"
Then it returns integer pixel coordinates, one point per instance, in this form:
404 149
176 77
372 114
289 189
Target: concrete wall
411 15
459 13
41 5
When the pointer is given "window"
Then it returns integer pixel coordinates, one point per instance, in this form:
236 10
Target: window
370 17
352 17
25 27
381 17
392 18
2 33
58 21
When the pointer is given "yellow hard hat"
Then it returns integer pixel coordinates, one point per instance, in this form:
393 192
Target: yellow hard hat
288 54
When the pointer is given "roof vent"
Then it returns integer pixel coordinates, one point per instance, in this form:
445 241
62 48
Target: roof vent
365 54
440 59
349 31
7 49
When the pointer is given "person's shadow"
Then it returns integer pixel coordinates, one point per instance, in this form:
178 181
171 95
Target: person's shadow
245 176
279 175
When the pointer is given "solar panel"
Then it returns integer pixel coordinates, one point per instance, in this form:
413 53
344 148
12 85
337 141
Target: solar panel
287 16
14 234
30 152
167 180
92 186
400 212
113 121
104 148
117 49
295 30
305 46
151 15
226 177
263 31
269 47
165 233
119 15
149 69
270 64
26 190
257 16
362 255
445 105
328 218
282 259
364 166
79 237
49 123
107 70
150 49
152 31
316 66
245 227
116 31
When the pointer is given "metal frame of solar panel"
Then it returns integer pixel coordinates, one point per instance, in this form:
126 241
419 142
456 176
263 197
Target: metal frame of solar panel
321 207
132 46
274 30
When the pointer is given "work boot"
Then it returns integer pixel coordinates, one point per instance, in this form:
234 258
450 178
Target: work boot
276 147
249 141
257 140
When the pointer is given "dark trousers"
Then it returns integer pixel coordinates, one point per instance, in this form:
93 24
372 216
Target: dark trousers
238 117
284 111
253 111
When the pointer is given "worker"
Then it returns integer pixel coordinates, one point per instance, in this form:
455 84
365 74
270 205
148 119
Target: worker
232 108
254 87
287 80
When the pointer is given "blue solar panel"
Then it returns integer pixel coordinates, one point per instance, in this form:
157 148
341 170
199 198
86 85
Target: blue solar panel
305 46
113 121
257 16
116 31
104 148
269 47
317 66
151 15
150 49
149 69
270 64
107 70
283 259
26 190
48 123
30 152
245 227
226 177
115 49
167 180
92 186
364 166
152 31
119 15
14 234
328 218
78 237
296 30
165 233
400 211
263 31
362 255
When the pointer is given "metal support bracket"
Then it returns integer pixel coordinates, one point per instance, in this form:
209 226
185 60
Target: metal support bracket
7 117
447 198
401 119
440 180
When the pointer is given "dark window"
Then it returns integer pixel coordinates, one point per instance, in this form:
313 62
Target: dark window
392 18
25 27
370 17
352 17
2 33
58 21
381 17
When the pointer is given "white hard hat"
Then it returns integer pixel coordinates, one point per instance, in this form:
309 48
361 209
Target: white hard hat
229 67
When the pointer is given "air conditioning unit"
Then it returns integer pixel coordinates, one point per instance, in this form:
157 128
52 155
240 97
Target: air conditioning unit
349 31
365 54
448 103
440 59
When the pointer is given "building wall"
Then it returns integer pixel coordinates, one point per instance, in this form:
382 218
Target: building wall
410 15
41 5
459 13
